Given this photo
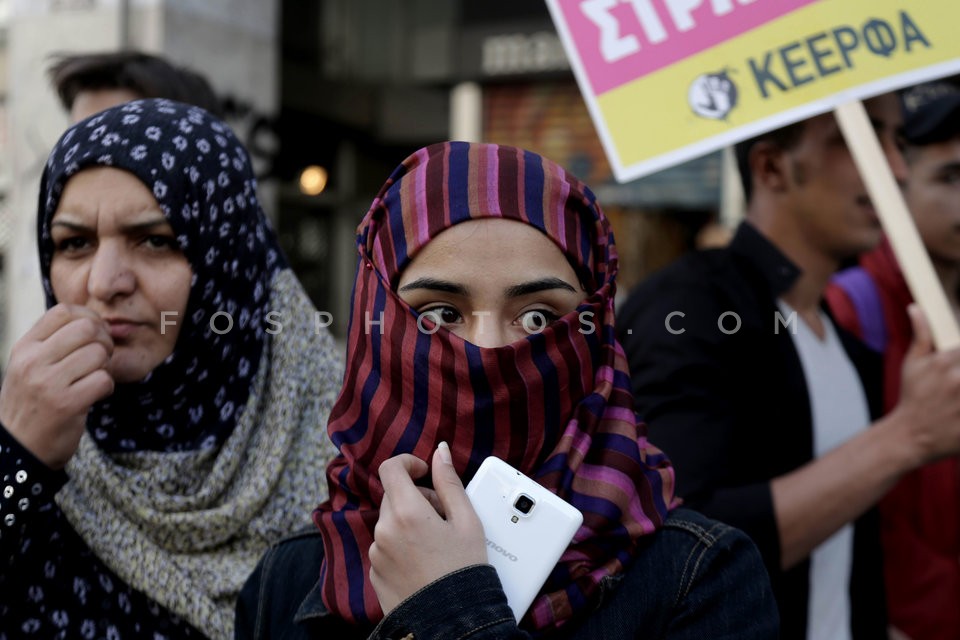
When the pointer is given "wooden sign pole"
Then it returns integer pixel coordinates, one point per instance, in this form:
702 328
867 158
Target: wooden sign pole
897 223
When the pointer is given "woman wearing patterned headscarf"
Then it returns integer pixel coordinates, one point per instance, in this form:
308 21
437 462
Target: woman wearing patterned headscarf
482 324
162 422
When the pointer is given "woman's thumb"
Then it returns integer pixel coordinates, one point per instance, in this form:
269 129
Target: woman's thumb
447 483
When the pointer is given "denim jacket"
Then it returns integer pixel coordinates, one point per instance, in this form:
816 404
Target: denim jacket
695 578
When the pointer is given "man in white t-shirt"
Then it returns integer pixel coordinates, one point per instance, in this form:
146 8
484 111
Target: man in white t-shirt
763 404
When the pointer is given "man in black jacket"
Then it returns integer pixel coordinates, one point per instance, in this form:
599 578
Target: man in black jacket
763 404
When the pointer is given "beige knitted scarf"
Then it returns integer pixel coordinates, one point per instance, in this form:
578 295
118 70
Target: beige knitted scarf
188 528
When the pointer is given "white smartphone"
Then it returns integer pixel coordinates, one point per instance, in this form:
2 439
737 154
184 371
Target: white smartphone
527 529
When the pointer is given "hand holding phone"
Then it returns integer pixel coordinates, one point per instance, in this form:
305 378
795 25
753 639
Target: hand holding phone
527 528
421 535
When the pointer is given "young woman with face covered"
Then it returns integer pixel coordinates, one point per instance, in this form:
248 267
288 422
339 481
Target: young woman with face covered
159 432
482 324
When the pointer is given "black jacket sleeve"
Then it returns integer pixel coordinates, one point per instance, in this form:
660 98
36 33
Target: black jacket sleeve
26 494
688 368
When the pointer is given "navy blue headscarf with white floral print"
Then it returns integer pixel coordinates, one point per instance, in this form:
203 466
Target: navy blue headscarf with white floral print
184 479
202 178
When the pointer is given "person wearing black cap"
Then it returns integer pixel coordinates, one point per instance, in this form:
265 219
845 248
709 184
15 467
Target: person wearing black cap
764 404
921 514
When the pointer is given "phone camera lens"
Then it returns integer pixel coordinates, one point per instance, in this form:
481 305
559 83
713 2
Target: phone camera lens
523 503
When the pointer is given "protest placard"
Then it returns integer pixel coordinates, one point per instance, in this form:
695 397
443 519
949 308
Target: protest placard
670 80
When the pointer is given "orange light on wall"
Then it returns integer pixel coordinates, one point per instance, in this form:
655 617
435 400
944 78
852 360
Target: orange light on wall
313 180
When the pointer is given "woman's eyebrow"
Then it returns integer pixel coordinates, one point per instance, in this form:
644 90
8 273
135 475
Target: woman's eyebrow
143 225
536 286
951 166
433 284
72 226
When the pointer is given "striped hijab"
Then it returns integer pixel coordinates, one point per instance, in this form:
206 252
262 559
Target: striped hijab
557 405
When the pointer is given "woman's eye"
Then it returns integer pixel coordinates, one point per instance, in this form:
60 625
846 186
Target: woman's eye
951 177
443 315
536 320
161 242
73 243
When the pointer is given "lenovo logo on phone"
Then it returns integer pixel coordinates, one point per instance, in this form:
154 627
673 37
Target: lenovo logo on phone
527 529
506 554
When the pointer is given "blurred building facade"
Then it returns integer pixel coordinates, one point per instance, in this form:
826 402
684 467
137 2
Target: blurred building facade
365 82
233 42
6 222
346 88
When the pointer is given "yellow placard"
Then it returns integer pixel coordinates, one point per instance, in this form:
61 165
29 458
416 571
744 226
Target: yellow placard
792 67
